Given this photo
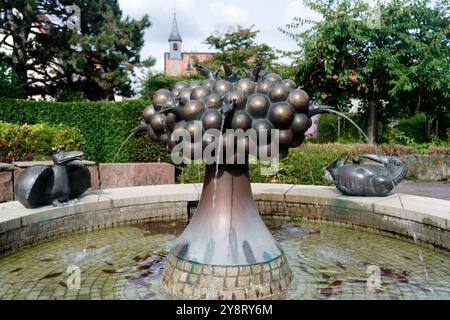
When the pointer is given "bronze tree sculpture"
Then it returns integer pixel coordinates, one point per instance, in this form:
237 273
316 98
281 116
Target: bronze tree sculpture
227 251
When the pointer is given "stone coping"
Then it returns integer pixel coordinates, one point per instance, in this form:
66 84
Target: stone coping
429 212
26 164
6 167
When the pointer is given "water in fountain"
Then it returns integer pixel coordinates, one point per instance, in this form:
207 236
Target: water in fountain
419 253
316 200
219 154
111 259
199 178
101 188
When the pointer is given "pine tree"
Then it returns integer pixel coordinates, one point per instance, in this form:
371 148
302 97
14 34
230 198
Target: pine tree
49 55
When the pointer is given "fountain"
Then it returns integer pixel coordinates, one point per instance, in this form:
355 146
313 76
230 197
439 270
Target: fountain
148 250
227 251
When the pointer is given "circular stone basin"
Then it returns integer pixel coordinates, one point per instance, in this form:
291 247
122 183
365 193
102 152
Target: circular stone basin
327 261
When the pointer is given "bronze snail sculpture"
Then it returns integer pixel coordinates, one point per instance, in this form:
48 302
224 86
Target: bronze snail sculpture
375 179
64 181
227 233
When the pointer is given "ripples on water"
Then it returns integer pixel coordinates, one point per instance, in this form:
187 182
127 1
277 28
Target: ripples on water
328 262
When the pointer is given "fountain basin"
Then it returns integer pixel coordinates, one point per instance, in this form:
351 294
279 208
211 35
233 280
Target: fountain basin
127 262
425 220
400 215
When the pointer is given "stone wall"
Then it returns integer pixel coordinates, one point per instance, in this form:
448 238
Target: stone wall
103 175
117 175
433 167
6 182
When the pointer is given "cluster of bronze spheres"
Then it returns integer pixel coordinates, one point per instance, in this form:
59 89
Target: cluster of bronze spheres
260 100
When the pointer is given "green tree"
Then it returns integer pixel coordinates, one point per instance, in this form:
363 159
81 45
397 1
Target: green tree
400 63
49 55
9 86
238 48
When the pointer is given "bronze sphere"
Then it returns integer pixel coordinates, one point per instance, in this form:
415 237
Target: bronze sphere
162 97
236 97
301 123
171 121
178 132
164 138
286 138
258 105
241 120
273 77
209 83
211 119
222 86
260 125
194 84
264 86
289 83
181 85
283 153
185 95
148 112
298 140
246 86
299 100
281 115
192 110
194 130
152 134
157 122
176 92
200 92
213 101
208 139
279 93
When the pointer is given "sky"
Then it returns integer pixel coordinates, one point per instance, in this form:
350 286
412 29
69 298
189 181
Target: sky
197 19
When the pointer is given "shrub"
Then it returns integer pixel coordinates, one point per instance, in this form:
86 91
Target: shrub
36 142
104 126
70 96
415 128
329 130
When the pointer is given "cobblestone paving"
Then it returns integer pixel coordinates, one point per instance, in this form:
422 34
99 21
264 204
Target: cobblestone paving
327 261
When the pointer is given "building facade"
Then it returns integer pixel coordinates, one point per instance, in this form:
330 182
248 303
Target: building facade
177 62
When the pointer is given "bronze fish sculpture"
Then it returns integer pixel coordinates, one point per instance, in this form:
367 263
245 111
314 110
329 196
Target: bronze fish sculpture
376 179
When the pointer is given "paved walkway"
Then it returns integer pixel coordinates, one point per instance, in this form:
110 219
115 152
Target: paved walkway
425 189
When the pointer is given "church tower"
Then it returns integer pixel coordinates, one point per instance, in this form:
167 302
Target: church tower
175 40
177 62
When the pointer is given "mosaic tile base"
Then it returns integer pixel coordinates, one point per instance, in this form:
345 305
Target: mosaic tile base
190 280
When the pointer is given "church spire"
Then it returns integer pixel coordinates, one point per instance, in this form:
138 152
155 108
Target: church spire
175 34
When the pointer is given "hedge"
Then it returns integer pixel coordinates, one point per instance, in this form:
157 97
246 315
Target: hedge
35 142
103 125
406 130
304 165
